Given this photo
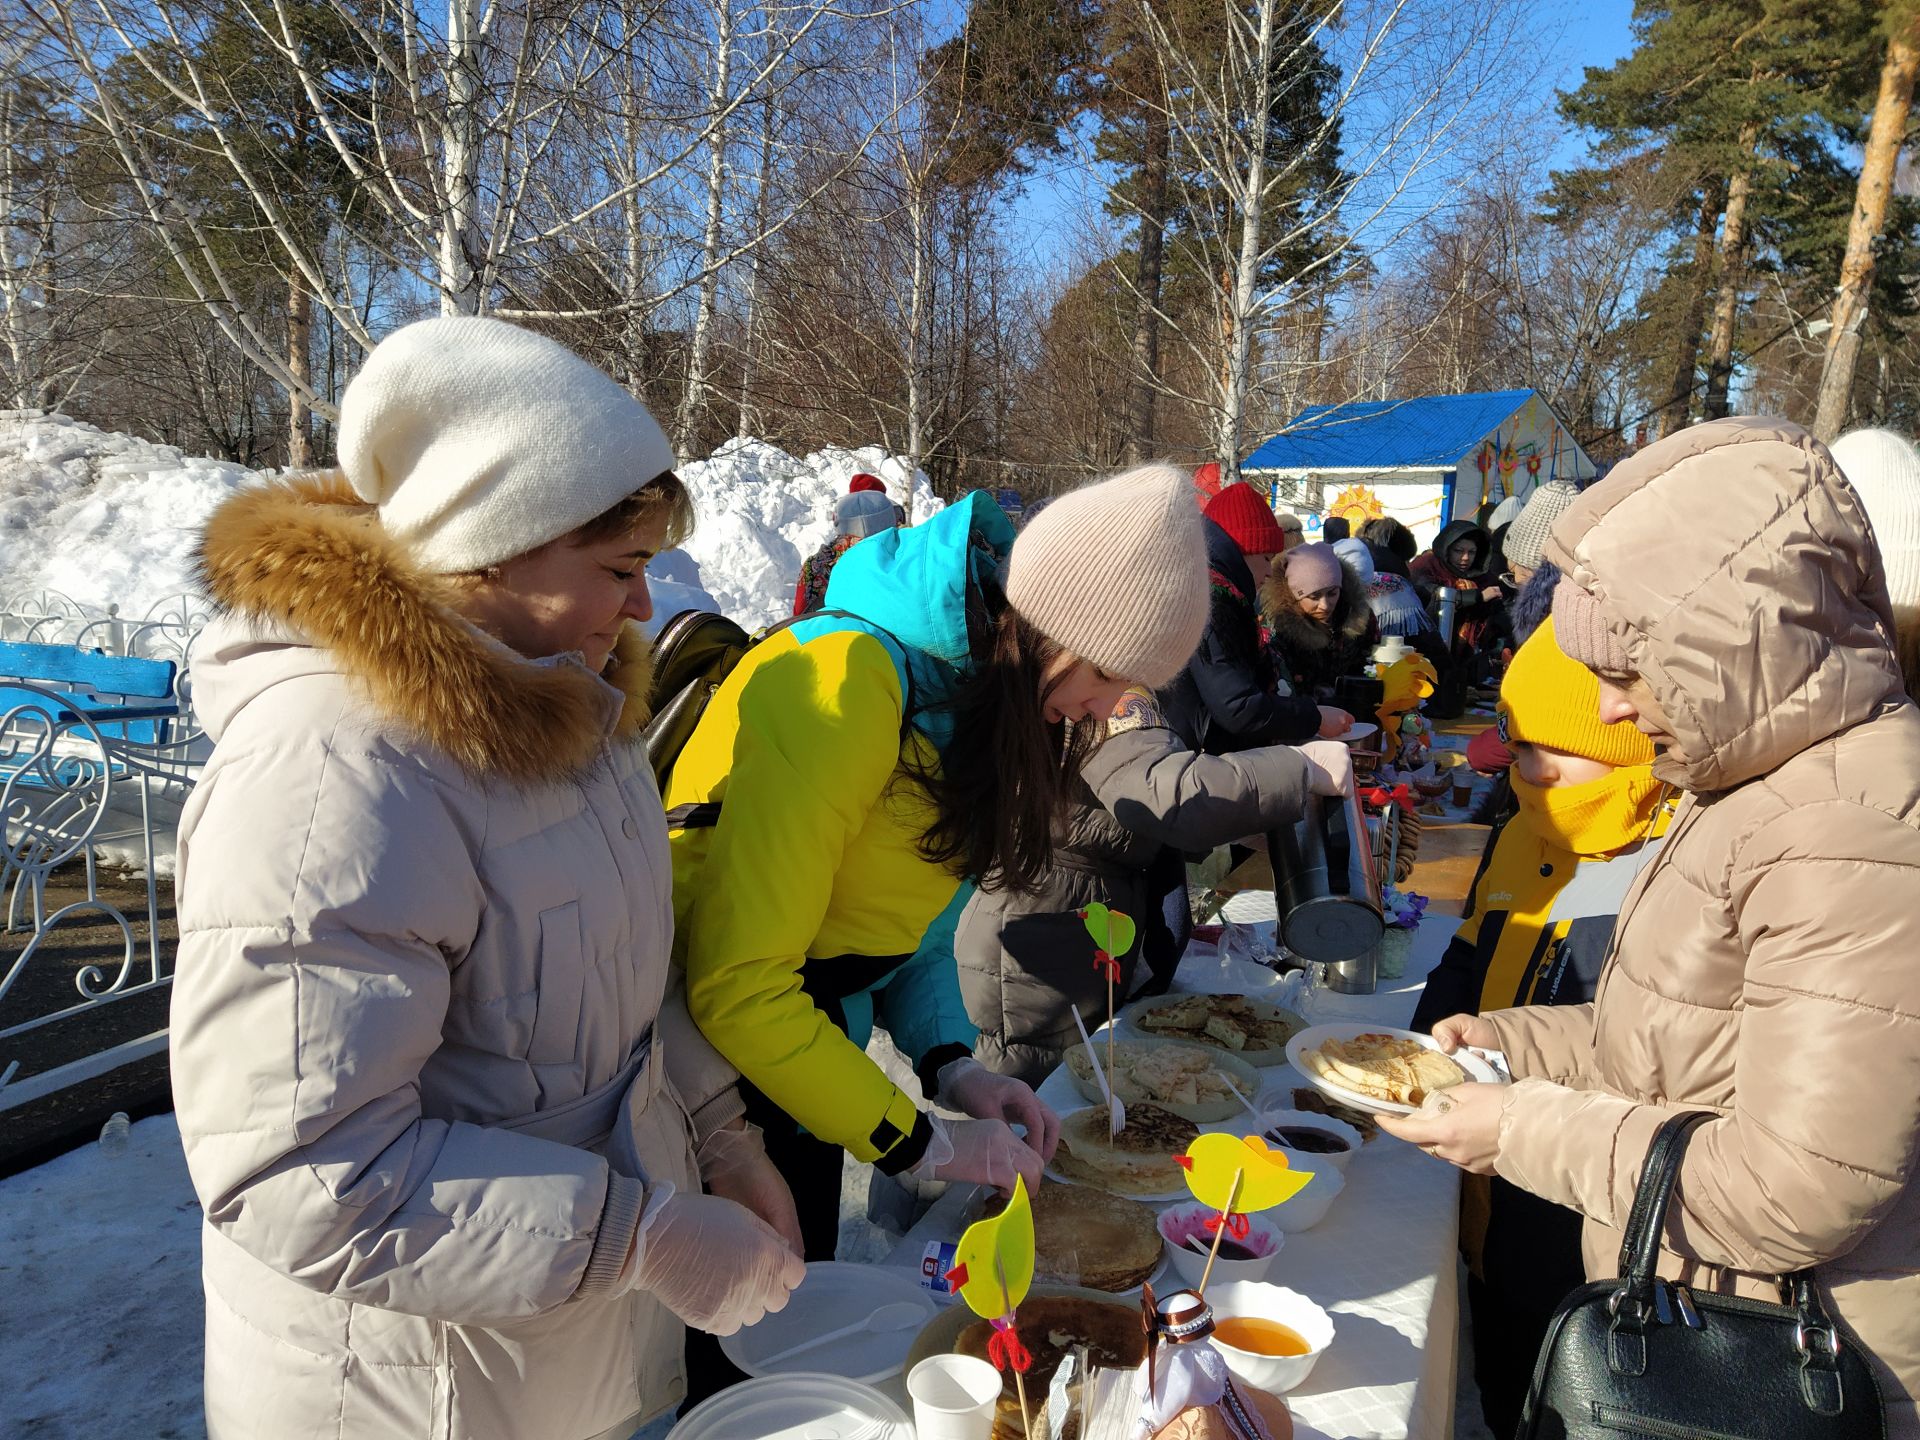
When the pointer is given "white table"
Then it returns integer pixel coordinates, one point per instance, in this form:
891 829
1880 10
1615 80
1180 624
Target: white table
1382 1262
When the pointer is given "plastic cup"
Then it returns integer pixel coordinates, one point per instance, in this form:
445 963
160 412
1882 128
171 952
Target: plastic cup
1463 790
953 1397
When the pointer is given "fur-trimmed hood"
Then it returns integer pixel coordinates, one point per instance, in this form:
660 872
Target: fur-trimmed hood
1297 634
303 565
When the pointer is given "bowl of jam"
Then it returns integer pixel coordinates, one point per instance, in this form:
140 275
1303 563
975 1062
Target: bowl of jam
1247 1255
1311 1141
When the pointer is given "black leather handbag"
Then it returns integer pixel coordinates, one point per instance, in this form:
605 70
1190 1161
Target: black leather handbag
1640 1356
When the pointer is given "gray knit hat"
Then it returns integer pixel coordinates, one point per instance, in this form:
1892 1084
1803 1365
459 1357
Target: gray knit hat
1527 539
1116 573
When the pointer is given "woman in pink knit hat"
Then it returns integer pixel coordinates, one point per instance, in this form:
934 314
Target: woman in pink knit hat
924 730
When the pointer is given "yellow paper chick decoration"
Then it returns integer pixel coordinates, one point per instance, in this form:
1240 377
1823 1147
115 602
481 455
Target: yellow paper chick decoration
993 1252
1406 682
1267 1180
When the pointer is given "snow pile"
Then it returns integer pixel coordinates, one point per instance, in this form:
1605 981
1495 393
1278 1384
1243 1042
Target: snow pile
761 512
102 518
109 519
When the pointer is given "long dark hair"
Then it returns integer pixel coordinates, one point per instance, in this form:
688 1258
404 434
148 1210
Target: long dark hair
1006 774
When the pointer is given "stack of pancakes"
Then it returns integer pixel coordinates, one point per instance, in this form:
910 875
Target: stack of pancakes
1137 1161
1090 1238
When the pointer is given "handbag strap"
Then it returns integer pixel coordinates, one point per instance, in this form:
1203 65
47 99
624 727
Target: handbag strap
1646 1222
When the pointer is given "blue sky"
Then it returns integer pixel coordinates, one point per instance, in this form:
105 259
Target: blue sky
1572 34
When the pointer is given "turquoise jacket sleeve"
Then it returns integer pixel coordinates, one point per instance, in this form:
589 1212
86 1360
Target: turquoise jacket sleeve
920 1005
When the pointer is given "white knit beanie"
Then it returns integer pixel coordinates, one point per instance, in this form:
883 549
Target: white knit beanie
479 441
1884 470
1526 543
1116 573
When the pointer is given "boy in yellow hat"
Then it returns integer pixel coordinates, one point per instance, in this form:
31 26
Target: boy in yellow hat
1551 882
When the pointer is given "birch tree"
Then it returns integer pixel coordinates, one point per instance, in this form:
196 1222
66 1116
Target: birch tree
1305 133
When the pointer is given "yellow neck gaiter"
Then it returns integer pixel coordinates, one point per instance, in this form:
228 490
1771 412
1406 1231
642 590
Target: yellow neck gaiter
1596 818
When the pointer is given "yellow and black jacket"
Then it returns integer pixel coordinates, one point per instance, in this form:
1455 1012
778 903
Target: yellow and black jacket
1550 885
802 916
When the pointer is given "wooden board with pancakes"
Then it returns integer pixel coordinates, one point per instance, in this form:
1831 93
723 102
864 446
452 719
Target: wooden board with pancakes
1249 1029
1051 1322
1138 1162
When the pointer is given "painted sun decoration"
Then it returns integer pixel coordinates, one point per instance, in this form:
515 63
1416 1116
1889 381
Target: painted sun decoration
1358 504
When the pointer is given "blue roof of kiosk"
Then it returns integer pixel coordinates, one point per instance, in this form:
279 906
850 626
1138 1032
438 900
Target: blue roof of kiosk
1431 433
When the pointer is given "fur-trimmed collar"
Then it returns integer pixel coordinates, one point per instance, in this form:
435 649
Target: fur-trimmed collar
307 553
1298 633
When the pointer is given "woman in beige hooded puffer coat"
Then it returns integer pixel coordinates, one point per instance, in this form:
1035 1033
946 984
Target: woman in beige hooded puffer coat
426 1057
1726 585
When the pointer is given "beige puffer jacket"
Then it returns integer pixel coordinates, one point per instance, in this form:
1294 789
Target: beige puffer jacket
418 1036
1767 963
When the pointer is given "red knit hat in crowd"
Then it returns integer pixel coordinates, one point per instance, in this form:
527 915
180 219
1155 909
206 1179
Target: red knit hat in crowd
1239 510
866 482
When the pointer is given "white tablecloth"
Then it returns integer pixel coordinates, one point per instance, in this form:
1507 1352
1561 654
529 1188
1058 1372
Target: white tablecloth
1382 1262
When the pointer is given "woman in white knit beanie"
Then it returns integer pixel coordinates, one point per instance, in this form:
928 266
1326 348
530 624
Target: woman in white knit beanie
1884 468
427 1059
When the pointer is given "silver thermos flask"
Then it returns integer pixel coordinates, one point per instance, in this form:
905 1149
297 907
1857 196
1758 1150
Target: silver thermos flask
1340 932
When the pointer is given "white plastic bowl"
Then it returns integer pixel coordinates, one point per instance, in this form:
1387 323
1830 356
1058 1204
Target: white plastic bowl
1189 1265
1309 1120
1276 1374
1310 1203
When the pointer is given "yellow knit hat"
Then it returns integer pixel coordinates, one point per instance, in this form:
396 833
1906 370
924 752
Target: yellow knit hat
1550 700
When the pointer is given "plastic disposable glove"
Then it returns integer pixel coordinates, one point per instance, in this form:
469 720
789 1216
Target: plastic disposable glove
1334 722
1329 767
983 1151
969 1087
734 1165
715 1264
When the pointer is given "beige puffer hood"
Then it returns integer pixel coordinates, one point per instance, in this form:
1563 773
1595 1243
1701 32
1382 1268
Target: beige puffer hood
1738 567
1766 964
427 1057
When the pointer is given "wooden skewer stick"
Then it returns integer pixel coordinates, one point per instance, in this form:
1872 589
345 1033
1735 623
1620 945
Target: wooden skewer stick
1233 1194
1019 1380
1110 1021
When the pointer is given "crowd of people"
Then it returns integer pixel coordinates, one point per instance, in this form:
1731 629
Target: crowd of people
509 1076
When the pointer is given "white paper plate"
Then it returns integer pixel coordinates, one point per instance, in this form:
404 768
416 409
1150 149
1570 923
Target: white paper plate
1313 1039
832 1295
1360 731
797 1407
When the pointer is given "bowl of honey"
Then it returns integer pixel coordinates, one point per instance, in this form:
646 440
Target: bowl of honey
1270 1336
1249 1256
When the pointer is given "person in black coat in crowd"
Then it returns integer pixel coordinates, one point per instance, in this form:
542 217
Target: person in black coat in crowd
1228 697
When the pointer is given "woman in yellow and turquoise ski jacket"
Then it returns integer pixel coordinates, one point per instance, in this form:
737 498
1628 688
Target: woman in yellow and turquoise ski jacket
919 730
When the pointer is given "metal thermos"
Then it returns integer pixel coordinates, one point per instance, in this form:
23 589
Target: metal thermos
1341 932
1446 602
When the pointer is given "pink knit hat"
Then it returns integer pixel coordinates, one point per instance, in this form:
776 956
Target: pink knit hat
1116 573
1583 632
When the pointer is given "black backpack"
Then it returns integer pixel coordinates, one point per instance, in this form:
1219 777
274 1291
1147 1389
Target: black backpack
692 657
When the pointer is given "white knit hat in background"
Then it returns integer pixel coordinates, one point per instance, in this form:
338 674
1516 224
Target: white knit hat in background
479 440
1526 543
1116 573
1884 470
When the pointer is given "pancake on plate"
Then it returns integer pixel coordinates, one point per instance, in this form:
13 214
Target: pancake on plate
1050 1326
1384 1067
1233 1023
1090 1238
1188 1079
1137 1161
